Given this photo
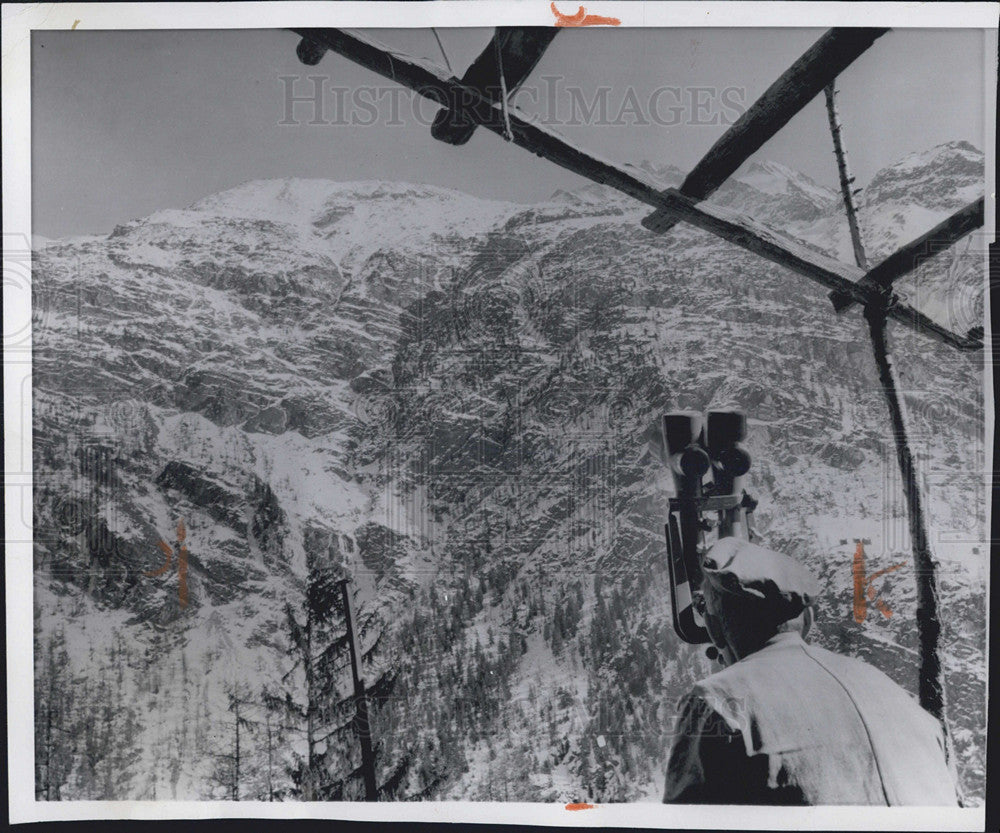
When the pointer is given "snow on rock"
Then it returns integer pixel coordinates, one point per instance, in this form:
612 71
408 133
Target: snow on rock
455 401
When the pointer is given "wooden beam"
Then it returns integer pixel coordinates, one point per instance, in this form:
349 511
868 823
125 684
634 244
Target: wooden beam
931 678
430 81
817 67
847 191
802 259
944 235
520 48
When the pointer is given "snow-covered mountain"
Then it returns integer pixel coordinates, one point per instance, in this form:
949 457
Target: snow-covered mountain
776 194
455 402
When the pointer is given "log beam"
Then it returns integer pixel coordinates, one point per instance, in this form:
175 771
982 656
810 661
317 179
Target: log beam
817 67
512 51
432 82
944 235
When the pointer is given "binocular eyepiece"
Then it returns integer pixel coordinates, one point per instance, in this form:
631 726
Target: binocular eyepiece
696 445
693 461
734 461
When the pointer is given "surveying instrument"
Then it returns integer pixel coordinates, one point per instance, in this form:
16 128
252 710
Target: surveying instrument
708 463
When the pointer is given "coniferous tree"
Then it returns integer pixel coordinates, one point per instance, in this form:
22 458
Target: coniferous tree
314 684
55 728
231 767
269 789
316 702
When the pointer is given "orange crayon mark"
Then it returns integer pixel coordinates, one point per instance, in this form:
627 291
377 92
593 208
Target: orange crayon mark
864 588
182 562
883 608
168 551
579 806
858 570
581 18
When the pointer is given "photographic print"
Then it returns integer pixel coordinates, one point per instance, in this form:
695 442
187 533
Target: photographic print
568 412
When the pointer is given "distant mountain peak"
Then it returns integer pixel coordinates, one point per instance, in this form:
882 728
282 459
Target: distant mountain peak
934 176
956 148
774 178
663 175
309 196
666 174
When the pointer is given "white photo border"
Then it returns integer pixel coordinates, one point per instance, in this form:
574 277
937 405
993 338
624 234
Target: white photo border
19 20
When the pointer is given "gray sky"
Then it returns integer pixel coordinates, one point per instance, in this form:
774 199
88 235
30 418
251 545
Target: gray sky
126 123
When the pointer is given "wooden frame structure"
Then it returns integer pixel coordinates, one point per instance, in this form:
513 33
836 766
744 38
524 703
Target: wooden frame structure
814 71
432 82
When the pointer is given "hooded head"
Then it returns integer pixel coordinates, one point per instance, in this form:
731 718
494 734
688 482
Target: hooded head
751 593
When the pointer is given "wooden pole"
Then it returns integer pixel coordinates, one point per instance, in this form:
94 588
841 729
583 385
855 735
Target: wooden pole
428 81
931 688
360 697
931 678
846 180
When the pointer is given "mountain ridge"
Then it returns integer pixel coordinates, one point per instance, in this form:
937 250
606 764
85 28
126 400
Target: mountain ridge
456 401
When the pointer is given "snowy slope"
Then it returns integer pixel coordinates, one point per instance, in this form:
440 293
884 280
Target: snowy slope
456 401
